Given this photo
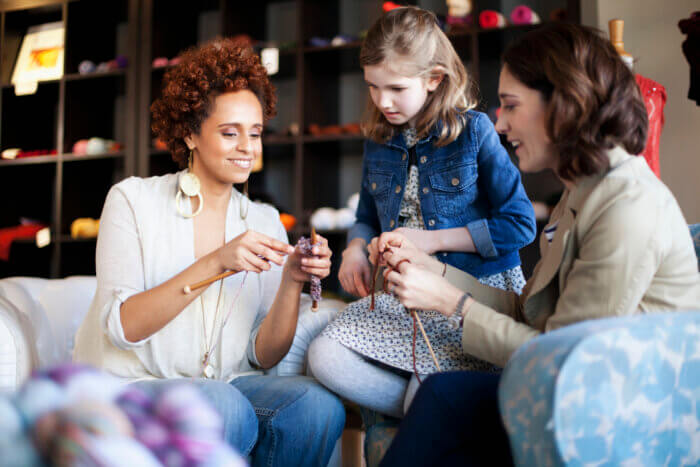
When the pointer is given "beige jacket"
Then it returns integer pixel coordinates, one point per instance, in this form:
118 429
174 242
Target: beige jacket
621 247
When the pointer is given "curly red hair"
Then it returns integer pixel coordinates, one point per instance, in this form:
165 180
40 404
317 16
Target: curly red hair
189 90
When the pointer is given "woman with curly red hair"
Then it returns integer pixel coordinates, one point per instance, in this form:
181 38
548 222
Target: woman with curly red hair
160 234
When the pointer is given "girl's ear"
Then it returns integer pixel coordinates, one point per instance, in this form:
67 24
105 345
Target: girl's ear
436 76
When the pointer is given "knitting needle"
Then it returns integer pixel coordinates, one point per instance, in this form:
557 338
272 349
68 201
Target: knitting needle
314 303
425 337
189 288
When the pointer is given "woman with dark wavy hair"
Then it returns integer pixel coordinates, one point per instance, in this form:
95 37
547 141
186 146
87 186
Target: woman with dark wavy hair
616 244
158 235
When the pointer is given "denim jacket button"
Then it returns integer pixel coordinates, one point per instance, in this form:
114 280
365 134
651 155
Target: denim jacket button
391 223
404 156
374 186
431 222
397 189
425 190
423 160
455 181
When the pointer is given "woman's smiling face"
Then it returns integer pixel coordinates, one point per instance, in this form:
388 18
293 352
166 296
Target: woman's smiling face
230 138
522 120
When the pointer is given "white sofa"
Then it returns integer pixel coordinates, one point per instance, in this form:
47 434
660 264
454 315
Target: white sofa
39 319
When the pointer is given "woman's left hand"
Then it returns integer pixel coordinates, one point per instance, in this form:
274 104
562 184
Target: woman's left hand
301 267
419 288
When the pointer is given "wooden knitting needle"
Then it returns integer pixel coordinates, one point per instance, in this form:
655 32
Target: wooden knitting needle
189 288
427 341
314 303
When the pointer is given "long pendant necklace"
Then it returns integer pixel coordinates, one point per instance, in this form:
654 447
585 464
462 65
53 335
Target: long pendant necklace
208 370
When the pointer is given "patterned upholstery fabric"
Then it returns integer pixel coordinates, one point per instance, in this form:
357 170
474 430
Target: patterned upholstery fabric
695 232
617 391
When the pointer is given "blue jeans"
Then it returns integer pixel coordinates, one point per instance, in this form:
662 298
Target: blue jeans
453 420
276 420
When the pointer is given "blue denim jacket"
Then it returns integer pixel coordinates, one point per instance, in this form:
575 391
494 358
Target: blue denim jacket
470 182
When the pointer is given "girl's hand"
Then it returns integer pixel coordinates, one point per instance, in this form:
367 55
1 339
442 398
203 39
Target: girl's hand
421 239
301 267
396 247
354 273
419 288
252 251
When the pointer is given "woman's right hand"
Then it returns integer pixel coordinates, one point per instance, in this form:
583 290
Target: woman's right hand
355 271
253 251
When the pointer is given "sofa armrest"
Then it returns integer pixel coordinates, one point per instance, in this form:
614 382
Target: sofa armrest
611 391
17 355
310 324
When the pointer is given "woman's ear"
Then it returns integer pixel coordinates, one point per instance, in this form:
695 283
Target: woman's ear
189 141
436 76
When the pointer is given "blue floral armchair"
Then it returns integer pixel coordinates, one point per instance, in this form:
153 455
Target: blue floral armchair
618 391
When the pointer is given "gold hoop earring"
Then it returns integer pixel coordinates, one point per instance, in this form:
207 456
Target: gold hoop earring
190 185
246 201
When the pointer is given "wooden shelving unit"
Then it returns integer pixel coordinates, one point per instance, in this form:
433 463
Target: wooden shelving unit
312 87
56 189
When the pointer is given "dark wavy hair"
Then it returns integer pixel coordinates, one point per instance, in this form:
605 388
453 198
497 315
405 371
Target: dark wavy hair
593 101
189 90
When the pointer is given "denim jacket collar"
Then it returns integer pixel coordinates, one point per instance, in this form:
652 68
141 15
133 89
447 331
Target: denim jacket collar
399 142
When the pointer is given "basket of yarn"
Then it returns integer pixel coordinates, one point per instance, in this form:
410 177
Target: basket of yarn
76 415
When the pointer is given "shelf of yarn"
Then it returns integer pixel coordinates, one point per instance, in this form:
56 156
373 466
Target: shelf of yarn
39 83
76 77
47 159
65 238
65 157
475 30
96 74
69 157
279 139
159 152
326 48
330 138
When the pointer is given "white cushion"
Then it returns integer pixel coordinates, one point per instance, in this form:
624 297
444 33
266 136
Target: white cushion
39 319
17 353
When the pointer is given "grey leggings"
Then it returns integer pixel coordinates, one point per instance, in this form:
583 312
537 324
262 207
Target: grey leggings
357 379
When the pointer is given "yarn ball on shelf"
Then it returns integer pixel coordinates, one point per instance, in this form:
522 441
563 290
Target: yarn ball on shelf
288 221
11 153
353 201
122 61
84 227
159 62
323 219
96 145
344 218
85 67
80 147
522 14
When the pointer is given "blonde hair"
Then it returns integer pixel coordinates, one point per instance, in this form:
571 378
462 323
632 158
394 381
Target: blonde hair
411 37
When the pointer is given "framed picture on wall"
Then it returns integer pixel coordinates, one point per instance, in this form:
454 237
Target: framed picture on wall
40 57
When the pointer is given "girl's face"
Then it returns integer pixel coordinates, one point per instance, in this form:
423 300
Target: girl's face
399 98
522 121
230 138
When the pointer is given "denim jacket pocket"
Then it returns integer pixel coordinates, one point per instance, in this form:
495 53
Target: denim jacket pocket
378 185
454 189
